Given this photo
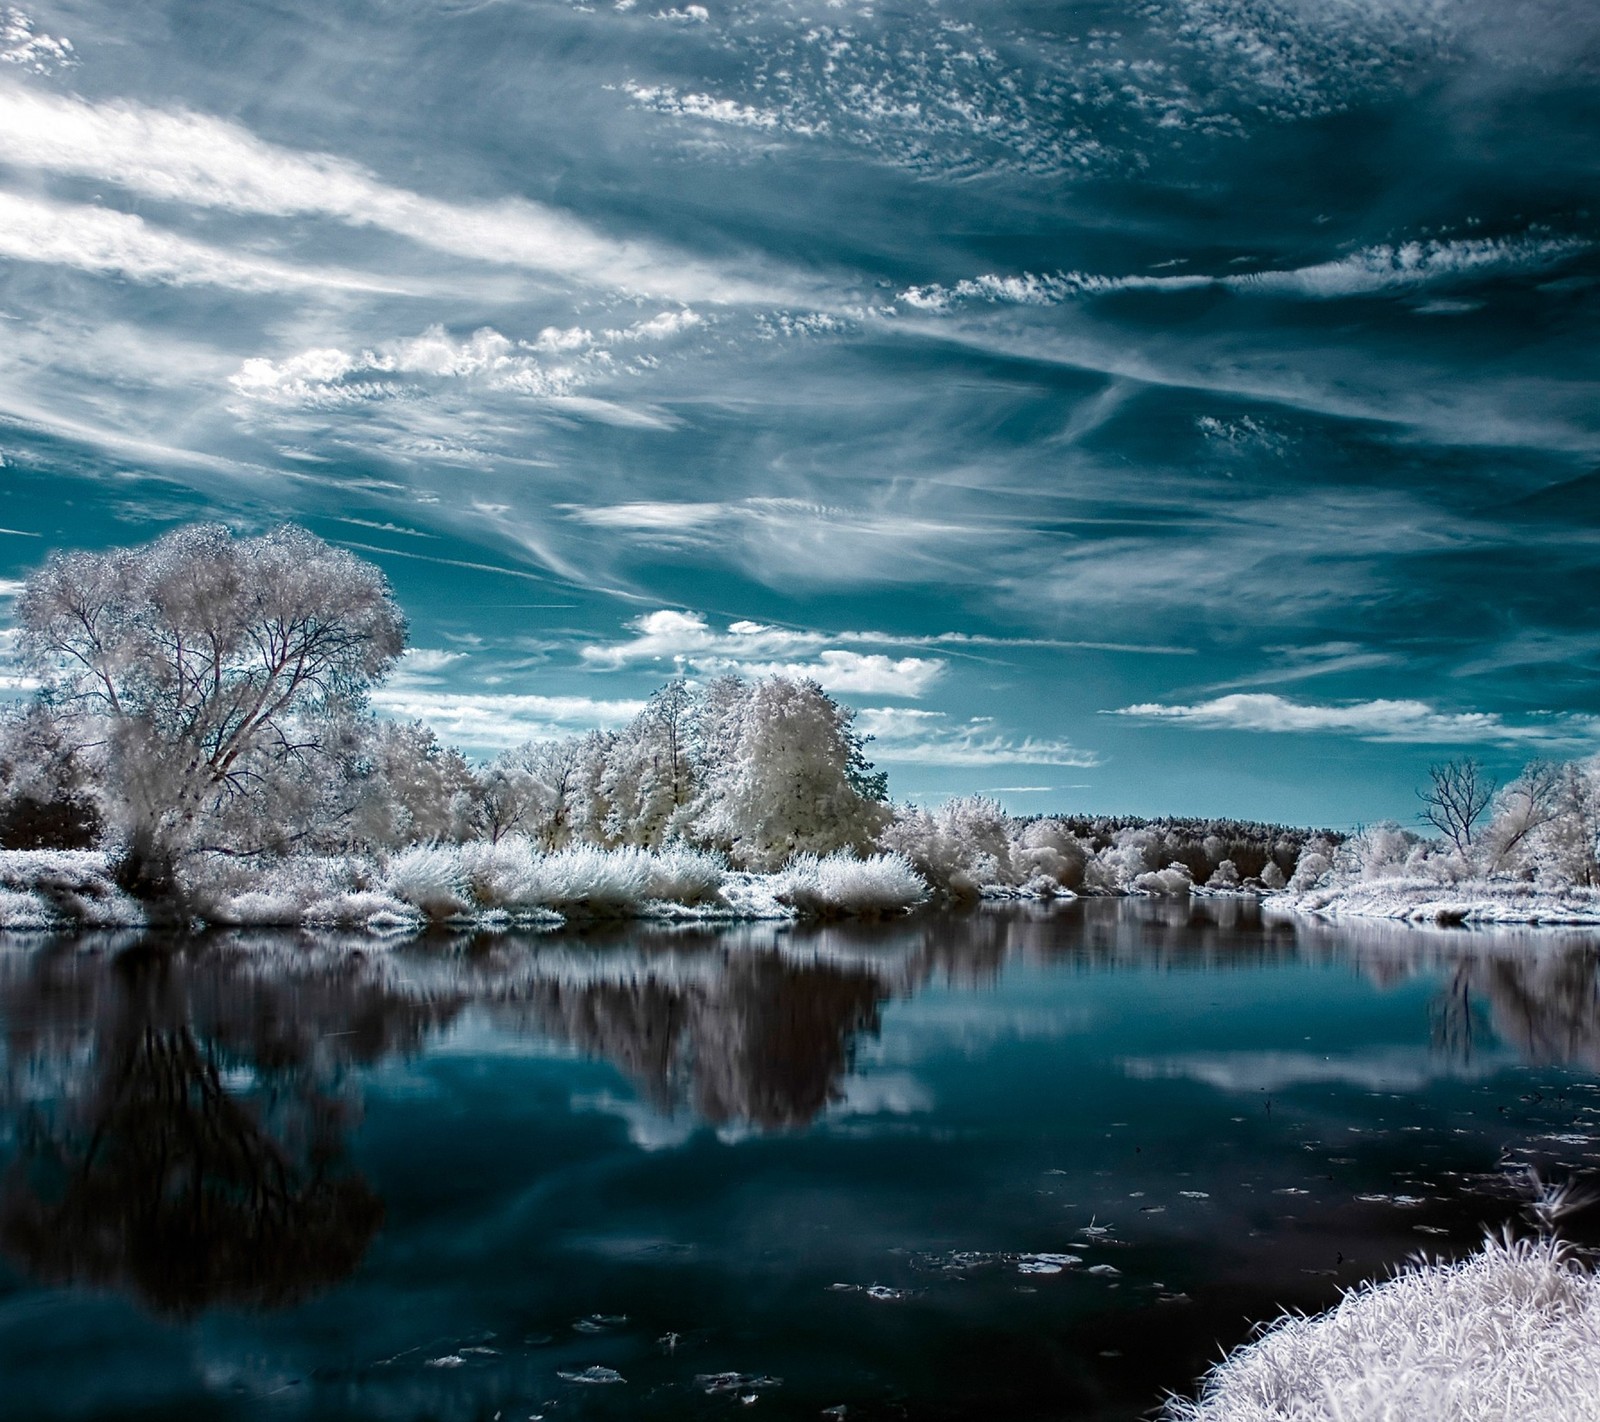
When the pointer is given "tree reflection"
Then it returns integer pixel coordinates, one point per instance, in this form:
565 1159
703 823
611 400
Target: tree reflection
181 1117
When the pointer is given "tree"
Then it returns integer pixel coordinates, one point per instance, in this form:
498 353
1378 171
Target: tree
1521 810
213 668
782 773
1454 799
651 770
46 783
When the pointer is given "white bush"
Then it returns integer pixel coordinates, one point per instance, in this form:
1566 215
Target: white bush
1511 1333
839 885
603 882
1173 882
681 875
430 878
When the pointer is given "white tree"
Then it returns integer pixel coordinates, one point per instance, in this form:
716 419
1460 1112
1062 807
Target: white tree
785 774
652 772
413 788
215 669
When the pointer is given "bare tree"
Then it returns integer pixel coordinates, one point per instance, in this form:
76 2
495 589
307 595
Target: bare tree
1454 799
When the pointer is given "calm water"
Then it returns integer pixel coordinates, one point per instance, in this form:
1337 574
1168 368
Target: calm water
650 1174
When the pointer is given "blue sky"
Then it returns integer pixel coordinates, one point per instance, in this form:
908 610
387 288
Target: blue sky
1182 405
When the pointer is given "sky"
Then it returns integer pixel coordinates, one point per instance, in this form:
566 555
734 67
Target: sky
1167 406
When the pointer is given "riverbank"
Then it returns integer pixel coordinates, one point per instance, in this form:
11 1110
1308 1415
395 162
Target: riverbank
479 885
1512 1331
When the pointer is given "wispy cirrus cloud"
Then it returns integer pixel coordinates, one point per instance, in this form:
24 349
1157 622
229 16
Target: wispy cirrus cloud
100 240
1368 271
1404 721
904 736
181 156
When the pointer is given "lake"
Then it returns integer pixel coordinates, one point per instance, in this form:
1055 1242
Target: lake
1031 1161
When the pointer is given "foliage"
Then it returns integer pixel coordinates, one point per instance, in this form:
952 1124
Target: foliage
217 676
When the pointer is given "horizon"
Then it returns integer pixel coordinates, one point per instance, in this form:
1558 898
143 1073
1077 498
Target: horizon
1179 409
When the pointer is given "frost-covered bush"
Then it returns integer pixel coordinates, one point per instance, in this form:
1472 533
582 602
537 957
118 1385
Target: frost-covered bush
1173 882
1047 849
681 875
430 878
1313 867
1512 1332
1225 876
56 887
501 874
600 882
1377 851
960 848
840 885
1272 877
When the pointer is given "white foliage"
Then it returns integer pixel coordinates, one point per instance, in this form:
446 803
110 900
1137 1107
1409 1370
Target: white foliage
1173 882
782 774
430 878
1512 1332
54 888
681 875
840 885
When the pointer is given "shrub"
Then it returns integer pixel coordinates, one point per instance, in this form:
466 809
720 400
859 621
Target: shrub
840 886
1512 1332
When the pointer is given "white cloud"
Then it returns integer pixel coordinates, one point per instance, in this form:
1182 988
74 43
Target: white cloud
22 46
490 721
1410 722
179 156
692 645
1366 272
901 736
96 239
329 376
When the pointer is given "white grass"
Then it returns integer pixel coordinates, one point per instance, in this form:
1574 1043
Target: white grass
1511 1334
1416 899
841 885
54 888
431 878
480 884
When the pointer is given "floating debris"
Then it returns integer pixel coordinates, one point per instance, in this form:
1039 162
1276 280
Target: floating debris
600 1322
881 1292
1104 1270
1045 1263
450 1360
716 1384
1194 1194
596 1374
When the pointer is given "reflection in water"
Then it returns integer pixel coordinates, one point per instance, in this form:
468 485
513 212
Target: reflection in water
176 1113
180 1119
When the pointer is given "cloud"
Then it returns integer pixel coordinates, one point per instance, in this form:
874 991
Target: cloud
692 645
328 377
37 53
901 736
176 155
493 721
96 239
1368 271
1405 722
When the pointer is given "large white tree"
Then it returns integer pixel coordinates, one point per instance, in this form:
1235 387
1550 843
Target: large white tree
216 670
785 773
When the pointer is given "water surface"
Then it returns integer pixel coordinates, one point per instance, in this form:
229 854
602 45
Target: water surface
1032 1162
